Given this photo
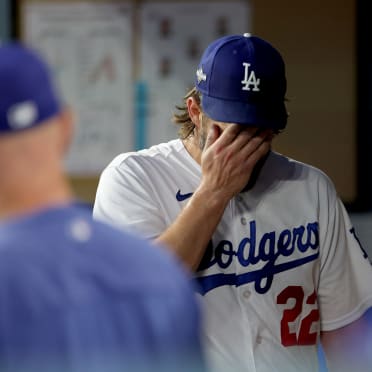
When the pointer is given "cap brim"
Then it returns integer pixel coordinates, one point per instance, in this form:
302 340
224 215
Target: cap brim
263 115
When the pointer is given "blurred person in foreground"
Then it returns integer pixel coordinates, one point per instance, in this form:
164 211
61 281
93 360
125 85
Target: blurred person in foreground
75 294
278 265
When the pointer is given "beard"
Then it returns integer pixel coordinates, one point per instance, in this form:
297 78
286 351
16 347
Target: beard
255 173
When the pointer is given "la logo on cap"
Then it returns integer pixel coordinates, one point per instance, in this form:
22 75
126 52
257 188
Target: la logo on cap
250 79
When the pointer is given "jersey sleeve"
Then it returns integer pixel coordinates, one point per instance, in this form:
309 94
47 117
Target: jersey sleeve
124 199
345 290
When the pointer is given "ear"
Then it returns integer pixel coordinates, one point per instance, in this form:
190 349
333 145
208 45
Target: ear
194 111
67 128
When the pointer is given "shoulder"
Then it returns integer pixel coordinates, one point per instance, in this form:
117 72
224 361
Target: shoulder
136 263
294 170
158 153
67 242
143 168
129 247
134 257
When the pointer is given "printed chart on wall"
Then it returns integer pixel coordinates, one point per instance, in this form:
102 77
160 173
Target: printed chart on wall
173 37
89 48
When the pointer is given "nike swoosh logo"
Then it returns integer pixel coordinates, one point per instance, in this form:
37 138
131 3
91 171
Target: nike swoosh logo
181 197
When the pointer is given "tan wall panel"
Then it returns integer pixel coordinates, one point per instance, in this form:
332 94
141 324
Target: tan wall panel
317 40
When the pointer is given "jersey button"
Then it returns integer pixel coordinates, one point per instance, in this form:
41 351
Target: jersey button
259 340
246 294
243 221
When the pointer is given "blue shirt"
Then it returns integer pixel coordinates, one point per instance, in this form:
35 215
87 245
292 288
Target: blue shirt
79 295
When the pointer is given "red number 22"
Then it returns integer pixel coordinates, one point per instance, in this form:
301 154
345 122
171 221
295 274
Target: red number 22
305 337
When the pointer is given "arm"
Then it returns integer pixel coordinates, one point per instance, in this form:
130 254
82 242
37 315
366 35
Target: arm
196 223
227 162
345 292
349 348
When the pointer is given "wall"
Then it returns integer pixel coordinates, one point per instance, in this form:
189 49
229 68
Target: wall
317 40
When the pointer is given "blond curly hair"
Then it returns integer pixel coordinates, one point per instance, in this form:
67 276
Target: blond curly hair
182 118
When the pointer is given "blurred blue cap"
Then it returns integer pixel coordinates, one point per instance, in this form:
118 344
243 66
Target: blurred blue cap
242 80
27 94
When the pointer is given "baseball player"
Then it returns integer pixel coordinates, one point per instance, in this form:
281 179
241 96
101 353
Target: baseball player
75 294
277 261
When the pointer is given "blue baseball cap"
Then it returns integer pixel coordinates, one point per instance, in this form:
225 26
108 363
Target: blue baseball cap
27 94
242 80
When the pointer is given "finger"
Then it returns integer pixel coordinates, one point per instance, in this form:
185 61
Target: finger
244 136
229 135
257 136
256 142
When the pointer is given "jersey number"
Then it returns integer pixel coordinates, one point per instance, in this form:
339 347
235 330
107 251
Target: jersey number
304 337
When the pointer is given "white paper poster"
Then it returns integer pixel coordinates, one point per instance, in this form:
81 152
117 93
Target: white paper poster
173 37
89 46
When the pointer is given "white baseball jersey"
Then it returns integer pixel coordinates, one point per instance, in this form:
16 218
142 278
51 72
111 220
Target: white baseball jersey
283 264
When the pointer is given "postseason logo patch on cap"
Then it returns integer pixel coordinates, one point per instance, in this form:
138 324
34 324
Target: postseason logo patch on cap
242 80
27 93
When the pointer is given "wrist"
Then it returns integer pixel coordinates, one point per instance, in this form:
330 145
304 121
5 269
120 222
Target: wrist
213 200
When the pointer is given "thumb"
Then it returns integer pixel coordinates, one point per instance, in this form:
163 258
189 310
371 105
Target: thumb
213 134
